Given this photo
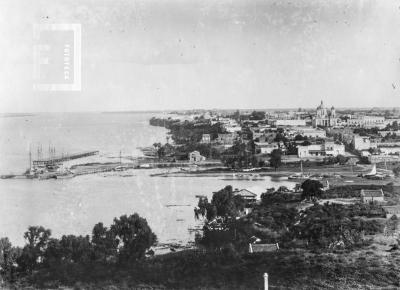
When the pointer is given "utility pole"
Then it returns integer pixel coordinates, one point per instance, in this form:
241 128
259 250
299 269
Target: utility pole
265 281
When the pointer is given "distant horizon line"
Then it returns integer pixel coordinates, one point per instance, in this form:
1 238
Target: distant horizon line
194 109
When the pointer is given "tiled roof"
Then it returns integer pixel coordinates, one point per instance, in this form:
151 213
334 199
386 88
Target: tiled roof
244 192
371 192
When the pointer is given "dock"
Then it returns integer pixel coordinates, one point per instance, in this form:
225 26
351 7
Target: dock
62 158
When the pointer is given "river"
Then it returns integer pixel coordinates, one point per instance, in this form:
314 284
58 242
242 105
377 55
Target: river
73 206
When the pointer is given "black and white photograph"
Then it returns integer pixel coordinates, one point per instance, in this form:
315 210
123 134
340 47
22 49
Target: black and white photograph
200 144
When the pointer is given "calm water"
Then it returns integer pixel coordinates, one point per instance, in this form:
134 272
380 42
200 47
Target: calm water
73 206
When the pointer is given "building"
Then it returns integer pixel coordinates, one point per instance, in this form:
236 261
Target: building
247 195
195 157
206 138
380 158
310 132
372 195
328 149
389 150
288 123
392 210
325 117
367 122
262 248
227 138
385 133
362 143
266 148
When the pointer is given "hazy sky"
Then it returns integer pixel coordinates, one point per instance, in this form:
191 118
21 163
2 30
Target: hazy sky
141 55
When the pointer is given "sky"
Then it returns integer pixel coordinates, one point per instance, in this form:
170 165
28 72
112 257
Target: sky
163 55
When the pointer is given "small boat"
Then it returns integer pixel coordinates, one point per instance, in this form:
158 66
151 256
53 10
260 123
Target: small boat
7 176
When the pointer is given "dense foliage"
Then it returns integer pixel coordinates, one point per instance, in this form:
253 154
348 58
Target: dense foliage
125 242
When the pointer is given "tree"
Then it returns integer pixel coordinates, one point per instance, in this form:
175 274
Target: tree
76 249
223 204
276 158
133 236
33 252
341 159
299 137
311 189
8 259
104 243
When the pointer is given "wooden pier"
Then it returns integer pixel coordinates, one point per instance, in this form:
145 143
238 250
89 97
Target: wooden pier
62 158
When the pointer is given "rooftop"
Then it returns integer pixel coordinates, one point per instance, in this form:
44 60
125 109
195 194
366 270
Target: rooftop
259 248
371 192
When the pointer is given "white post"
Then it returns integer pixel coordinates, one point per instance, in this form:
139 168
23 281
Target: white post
265 281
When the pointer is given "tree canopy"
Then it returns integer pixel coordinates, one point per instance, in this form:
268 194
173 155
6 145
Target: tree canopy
311 189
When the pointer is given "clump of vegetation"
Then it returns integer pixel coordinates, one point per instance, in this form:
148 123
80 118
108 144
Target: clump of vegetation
70 257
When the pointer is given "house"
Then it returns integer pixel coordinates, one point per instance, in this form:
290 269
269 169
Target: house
262 248
205 138
372 195
334 149
247 195
266 148
329 148
195 157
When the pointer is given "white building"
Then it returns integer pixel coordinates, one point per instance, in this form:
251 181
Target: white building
310 132
205 138
372 195
195 157
329 149
289 122
362 143
367 122
388 150
266 148
325 117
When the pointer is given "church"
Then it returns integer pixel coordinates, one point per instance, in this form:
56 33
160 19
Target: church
325 117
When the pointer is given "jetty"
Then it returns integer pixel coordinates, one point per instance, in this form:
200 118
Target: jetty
64 157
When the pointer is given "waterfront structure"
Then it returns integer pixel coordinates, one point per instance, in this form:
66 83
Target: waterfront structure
195 157
372 195
42 162
325 117
328 149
